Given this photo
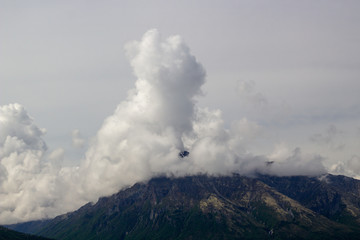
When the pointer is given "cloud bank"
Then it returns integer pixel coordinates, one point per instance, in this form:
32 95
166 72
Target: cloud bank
142 139
31 181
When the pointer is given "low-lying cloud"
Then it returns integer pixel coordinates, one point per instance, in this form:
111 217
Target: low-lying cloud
143 138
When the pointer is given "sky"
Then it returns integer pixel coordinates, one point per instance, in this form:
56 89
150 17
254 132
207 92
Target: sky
107 93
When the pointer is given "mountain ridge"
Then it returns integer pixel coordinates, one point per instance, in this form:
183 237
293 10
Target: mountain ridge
222 207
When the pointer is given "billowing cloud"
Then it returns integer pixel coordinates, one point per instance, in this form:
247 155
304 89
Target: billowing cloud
160 119
142 139
17 126
31 186
147 131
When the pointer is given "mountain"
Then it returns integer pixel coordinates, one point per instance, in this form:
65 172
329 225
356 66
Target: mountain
7 234
335 197
204 207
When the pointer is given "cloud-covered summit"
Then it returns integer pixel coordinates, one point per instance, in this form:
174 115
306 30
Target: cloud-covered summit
160 118
140 140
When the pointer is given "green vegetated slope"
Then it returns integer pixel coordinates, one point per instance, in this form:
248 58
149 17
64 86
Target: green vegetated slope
201 207
7 234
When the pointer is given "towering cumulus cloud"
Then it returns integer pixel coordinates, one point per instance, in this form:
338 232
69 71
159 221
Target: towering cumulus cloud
146 133
160 119
157 130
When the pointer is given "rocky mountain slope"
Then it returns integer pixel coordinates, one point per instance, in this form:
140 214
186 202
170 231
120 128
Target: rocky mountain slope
202 207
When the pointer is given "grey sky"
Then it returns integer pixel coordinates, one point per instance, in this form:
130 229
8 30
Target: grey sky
64 61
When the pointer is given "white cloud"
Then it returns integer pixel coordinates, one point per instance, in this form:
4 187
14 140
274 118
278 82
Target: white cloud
30 187
349 167
142 139
160 118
